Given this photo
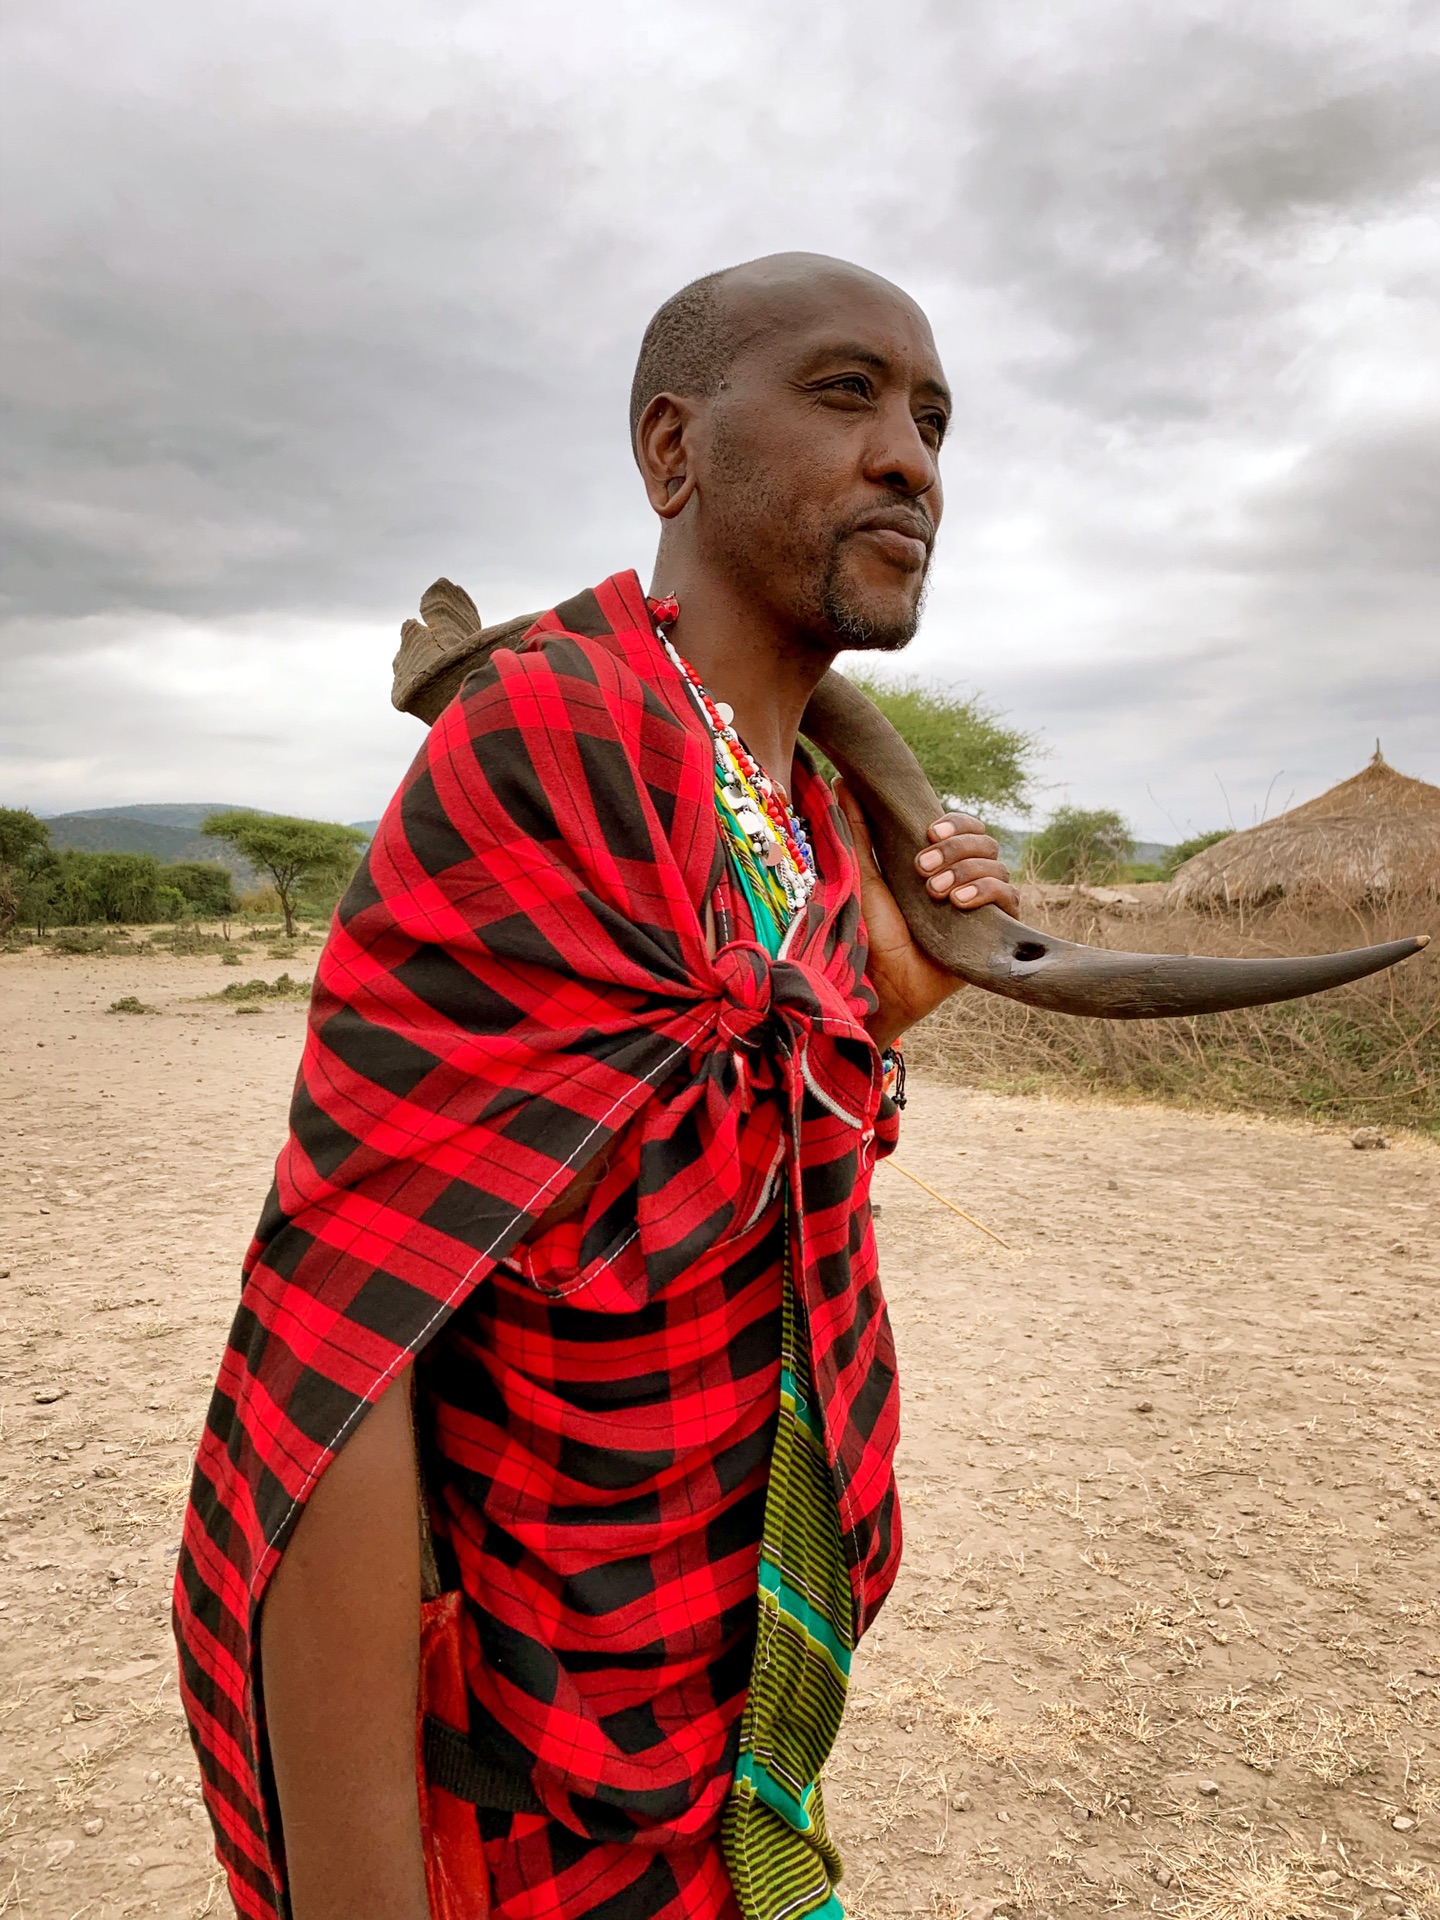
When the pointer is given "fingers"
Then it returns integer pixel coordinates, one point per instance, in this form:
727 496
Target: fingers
961 852
961 864
968 873
953 823
989 891
956 840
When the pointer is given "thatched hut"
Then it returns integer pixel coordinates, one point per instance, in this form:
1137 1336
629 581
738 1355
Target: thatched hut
1374 835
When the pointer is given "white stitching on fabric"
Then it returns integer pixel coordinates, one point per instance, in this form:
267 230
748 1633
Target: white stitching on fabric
364 1406
584 1279
768 1190
824 1098
798 921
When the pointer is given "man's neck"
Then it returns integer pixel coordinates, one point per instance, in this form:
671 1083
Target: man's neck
760 667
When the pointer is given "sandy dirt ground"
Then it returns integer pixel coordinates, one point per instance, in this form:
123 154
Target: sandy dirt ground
1168 1635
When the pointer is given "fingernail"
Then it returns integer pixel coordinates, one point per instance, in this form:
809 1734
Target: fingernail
964 893
929 861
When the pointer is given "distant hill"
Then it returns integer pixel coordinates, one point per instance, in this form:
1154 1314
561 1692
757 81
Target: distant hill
170 831
182 813
101 832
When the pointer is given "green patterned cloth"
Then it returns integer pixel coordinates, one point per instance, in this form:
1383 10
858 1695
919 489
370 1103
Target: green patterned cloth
782 1861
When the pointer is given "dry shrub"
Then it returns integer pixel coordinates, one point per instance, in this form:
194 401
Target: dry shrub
189 939
1213 1883
92 941
1368 1053
259 901
282 989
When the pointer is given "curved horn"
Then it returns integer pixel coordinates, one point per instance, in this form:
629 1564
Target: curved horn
442 646
993 951
985 947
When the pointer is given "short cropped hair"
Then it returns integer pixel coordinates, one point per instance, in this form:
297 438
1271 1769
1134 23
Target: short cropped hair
687 348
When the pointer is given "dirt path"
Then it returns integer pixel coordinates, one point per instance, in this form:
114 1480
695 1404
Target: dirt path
1172 1487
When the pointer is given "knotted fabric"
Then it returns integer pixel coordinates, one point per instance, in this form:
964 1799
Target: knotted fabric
517 973
743 972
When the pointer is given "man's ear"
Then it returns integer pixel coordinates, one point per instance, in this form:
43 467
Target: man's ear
663 453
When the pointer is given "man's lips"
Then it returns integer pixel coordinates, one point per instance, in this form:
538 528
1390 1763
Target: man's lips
904 539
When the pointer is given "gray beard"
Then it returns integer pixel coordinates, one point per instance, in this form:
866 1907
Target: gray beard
858 631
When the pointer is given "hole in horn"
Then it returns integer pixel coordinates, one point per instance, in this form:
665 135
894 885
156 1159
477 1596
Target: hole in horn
1029 950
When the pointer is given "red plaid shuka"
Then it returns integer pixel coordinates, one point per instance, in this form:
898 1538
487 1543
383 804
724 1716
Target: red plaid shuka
517 982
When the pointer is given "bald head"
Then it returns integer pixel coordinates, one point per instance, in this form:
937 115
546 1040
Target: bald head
695 338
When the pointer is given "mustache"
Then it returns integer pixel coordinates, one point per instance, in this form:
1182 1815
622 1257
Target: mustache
908 517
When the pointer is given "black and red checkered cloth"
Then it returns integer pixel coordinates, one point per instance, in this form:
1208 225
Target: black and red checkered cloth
518 982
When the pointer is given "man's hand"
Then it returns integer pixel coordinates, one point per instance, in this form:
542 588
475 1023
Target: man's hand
960 862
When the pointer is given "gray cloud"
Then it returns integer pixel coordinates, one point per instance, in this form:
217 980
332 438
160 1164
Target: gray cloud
309 304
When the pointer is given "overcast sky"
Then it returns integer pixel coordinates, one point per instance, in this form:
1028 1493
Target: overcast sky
312 301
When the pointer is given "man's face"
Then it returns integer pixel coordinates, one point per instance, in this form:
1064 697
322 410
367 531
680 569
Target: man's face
819 485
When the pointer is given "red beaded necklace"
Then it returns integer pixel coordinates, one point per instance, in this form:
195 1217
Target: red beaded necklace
788 830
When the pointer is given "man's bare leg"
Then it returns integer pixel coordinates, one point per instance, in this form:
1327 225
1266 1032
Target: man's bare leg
340 1650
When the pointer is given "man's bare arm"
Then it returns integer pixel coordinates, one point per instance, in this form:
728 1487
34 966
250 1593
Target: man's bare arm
340 1649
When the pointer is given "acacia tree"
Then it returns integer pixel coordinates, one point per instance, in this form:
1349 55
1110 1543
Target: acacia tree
970 757
293 854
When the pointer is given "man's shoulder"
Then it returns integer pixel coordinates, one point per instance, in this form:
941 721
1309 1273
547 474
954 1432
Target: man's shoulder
566 735
593 658
610 622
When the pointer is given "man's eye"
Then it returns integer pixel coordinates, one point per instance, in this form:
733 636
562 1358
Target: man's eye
852 383
933 425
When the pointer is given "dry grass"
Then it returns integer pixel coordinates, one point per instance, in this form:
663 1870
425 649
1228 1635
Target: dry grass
1210 1880
1366 1054
1331 1744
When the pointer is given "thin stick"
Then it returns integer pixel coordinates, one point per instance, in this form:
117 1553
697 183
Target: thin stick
895 1165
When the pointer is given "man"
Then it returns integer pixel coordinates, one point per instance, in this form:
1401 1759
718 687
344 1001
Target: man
575 1204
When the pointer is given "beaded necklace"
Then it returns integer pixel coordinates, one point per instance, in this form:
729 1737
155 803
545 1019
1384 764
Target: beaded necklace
765 826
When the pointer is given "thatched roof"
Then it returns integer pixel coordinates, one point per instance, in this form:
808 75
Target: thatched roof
1375 834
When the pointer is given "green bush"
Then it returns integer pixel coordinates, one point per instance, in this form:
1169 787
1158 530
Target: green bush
115 889
282 989
95 940
207 888
1176 856
1091 845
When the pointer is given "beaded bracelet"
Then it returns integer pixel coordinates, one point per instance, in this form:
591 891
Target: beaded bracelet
892 1066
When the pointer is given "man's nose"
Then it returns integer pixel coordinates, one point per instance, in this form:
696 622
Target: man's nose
899 457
